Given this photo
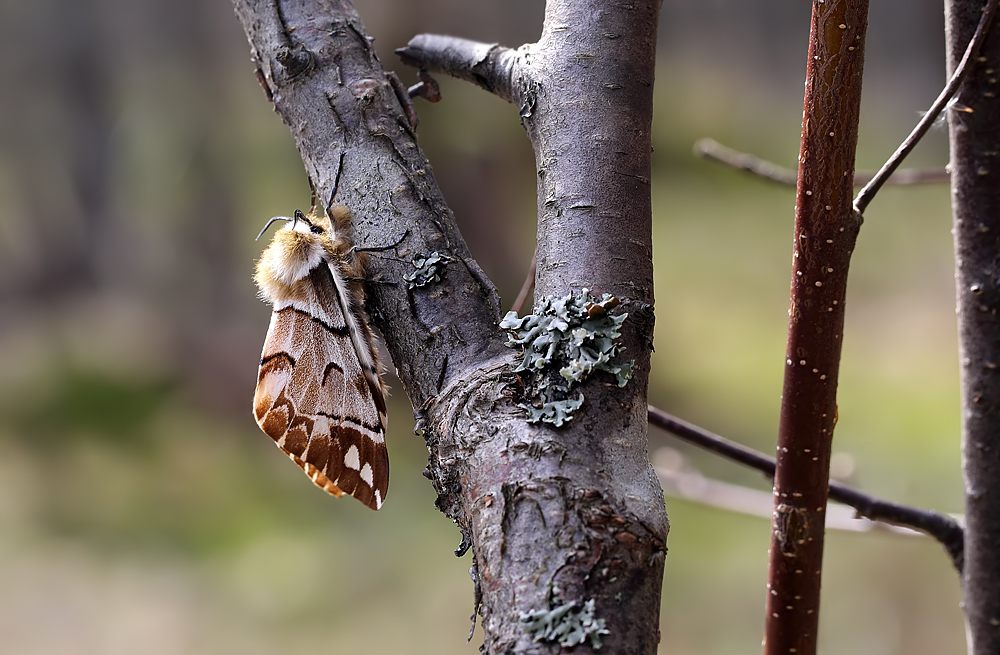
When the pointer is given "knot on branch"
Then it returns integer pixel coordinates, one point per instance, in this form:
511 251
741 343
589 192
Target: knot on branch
295 60
791 527
452 426
427 88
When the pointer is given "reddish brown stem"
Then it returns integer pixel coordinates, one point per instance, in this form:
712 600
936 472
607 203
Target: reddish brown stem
826 228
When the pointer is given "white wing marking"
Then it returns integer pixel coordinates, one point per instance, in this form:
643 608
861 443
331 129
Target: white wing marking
315 393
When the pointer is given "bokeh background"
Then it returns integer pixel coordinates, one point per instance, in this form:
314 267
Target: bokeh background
141 510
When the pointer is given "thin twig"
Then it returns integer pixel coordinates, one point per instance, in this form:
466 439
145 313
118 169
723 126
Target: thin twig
868 192
907 176
529 282
427 88
681 479
931 523
715 151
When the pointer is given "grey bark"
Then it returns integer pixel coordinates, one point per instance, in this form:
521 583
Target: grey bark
975 166
552 516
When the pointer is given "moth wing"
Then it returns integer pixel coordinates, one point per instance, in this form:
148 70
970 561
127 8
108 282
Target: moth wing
315 399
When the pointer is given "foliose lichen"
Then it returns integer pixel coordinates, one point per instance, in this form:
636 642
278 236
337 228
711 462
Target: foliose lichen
566 340
570 624
429 269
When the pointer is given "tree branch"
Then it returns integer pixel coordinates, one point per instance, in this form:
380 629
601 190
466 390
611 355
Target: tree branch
961 70
826 229
942 528
584 94
715 151
976 207
359 150
526 286
487 65
682 480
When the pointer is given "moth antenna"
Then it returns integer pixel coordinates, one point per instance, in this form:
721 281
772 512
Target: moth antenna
276 218
336 181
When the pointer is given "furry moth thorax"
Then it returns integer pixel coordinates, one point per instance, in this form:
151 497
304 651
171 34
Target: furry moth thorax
301 246
319 393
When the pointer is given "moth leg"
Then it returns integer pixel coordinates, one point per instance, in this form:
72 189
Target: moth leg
356 249
369 281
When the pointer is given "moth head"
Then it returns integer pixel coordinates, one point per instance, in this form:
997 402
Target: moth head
297 248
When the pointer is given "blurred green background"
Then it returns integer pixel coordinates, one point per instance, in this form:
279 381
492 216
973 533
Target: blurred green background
141 510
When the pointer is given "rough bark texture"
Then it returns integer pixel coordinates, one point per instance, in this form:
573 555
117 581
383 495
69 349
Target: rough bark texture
357 144
826 229
975 170
553 516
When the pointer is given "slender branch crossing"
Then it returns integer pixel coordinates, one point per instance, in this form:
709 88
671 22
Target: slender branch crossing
526 286
715 151
951 88
940 527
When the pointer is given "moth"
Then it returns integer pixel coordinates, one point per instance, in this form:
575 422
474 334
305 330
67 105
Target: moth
319 393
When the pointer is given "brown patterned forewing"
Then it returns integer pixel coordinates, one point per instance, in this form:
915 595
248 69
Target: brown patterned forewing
315 400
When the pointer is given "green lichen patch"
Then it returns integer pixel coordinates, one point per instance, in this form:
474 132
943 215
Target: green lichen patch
570 624
429 270
566 340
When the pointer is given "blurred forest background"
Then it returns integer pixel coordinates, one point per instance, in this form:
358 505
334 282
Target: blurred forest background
141 510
